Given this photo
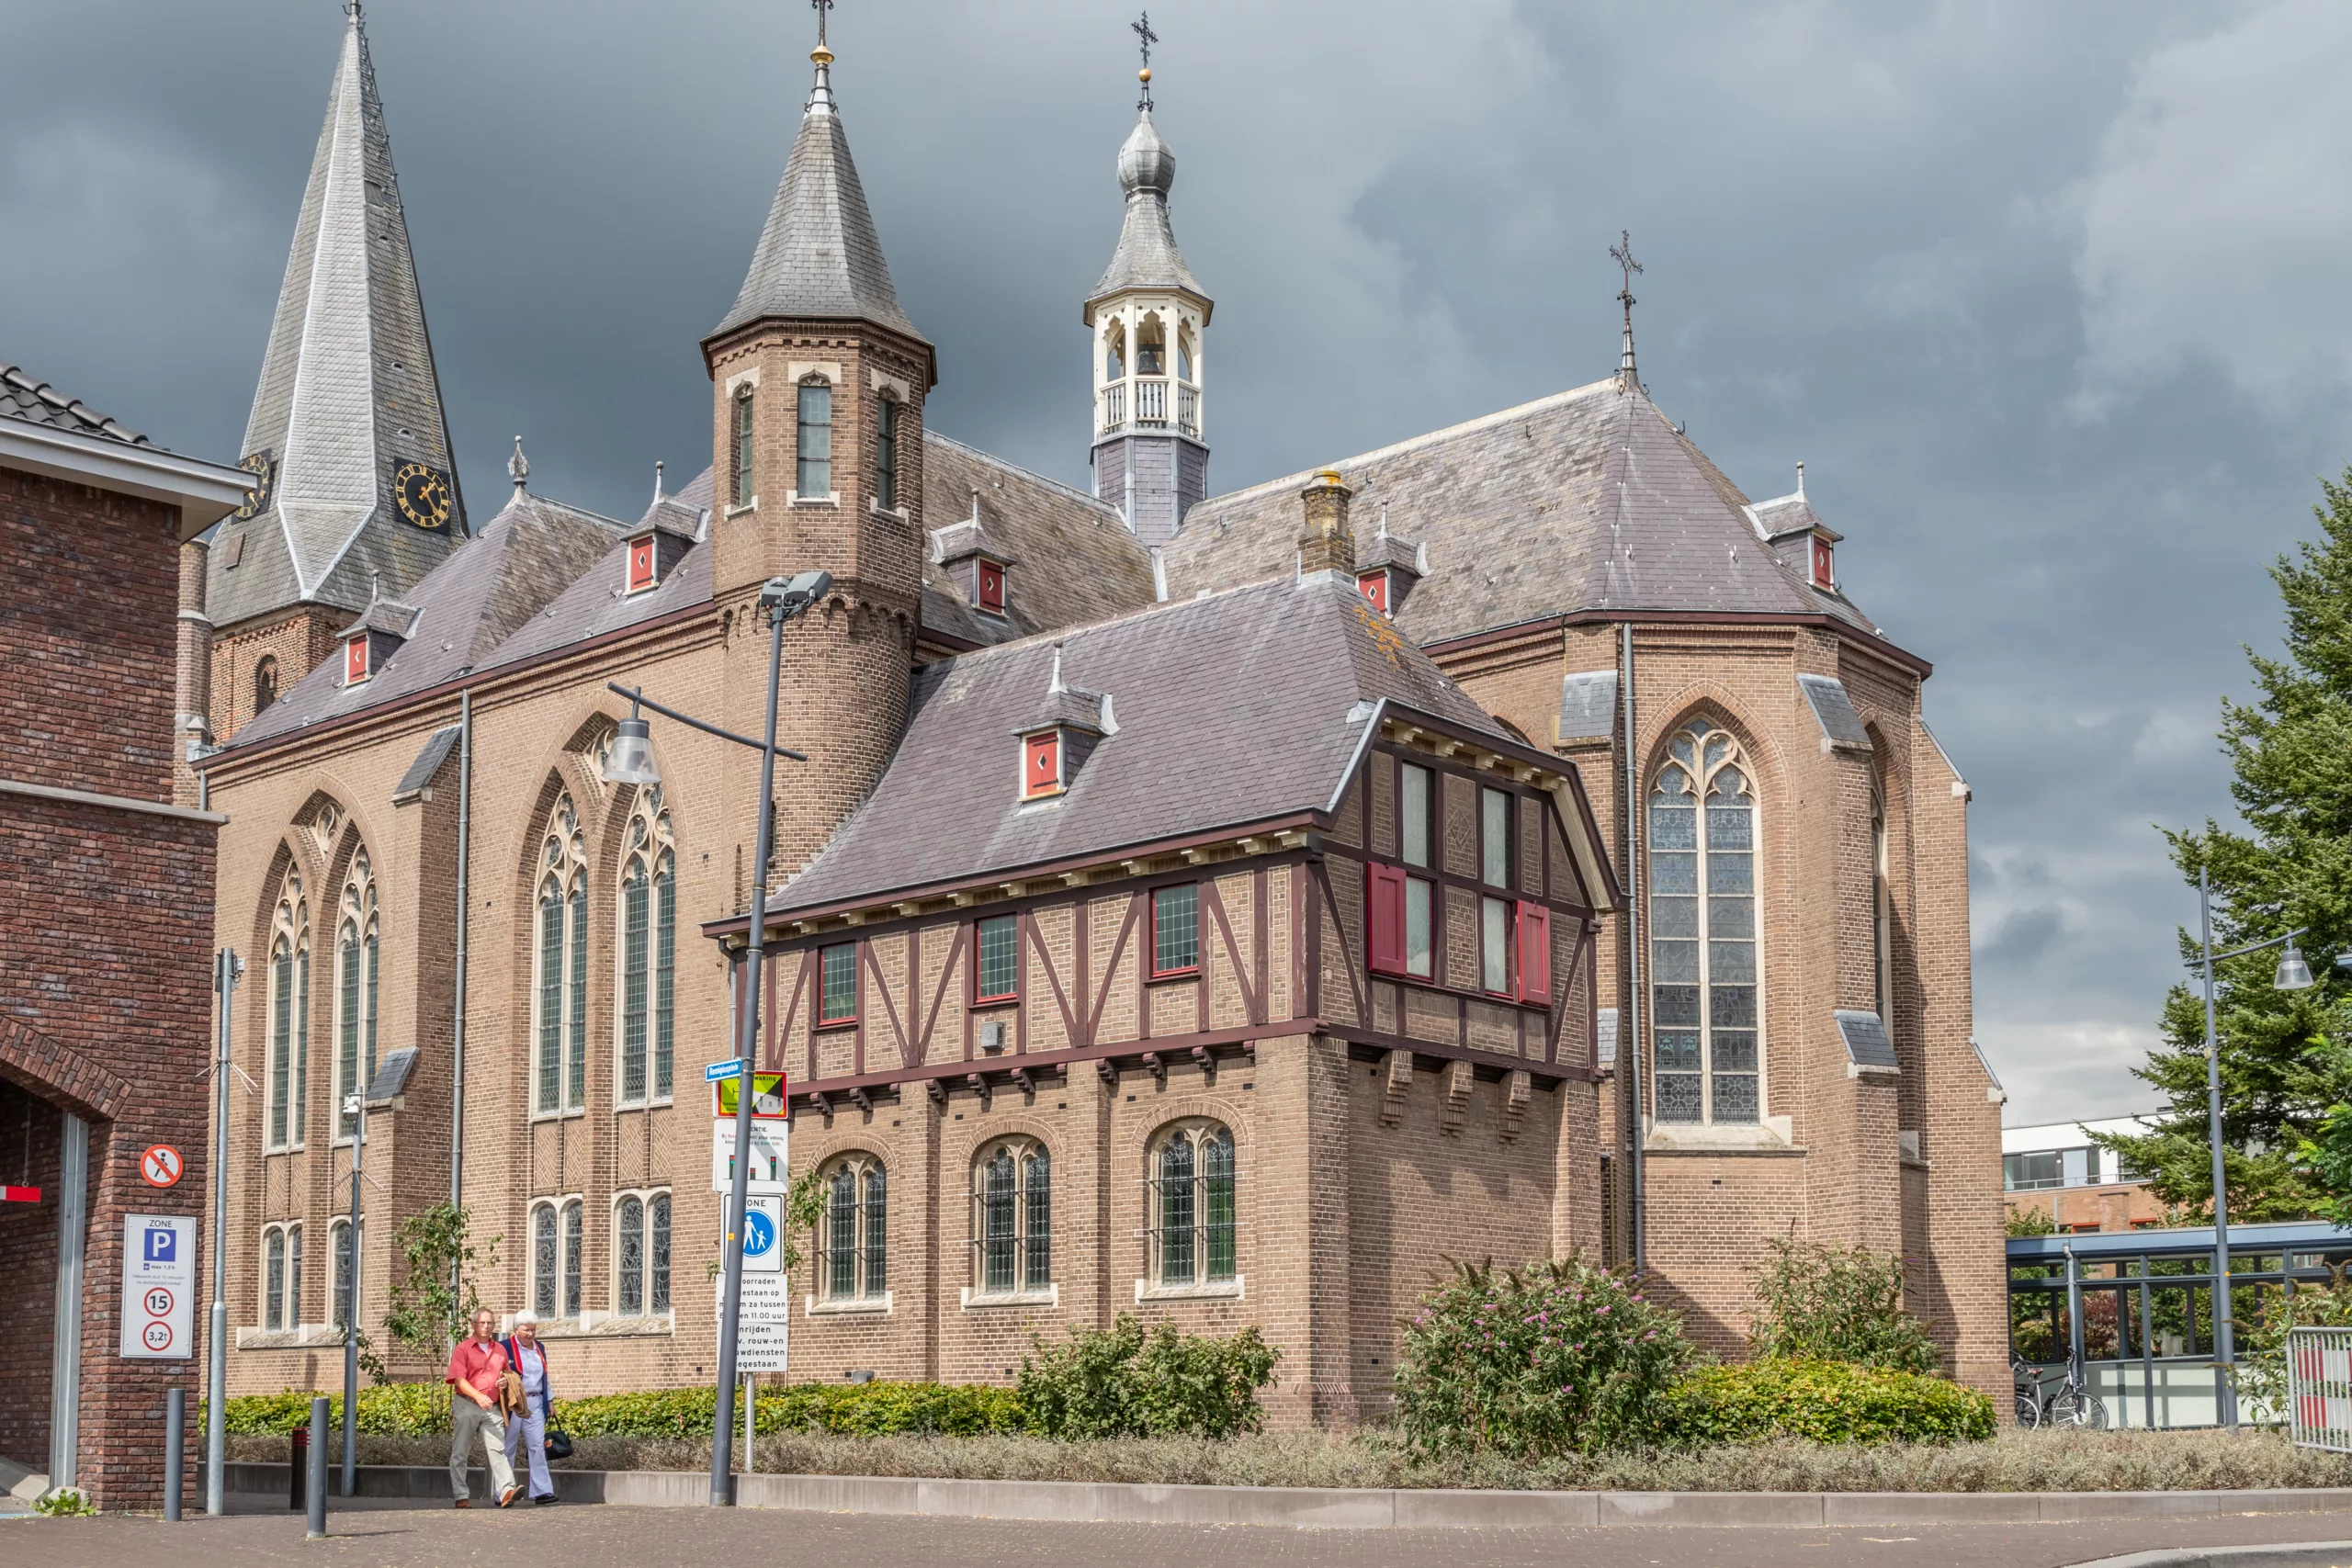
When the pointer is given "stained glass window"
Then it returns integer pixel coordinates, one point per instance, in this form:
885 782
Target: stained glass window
1705 1025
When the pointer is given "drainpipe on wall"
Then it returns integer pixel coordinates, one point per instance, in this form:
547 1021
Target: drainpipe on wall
1629 1045
458 1023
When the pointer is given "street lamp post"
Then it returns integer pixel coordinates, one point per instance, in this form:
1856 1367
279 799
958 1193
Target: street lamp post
631 761
2293 974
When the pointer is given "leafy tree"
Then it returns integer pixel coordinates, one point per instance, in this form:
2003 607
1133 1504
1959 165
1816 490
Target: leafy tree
434 1297
1818 1302
2023 1221
2285 1080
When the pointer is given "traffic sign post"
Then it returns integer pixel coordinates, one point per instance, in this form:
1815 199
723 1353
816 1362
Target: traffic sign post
158 1287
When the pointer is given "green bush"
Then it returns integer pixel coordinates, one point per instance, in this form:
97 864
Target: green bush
1815 1302
1827 1402
873 1409
387 1410
1124 1382
2262 1326
1555 1358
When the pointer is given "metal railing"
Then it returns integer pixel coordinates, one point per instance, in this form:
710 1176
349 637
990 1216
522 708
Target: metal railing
2319 1388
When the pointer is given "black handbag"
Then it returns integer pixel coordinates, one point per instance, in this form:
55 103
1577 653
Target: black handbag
559 1443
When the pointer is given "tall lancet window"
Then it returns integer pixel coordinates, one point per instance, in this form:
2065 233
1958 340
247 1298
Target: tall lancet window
357 959
743 446
1704 1015
560 995
289 1007
886 451
816 450
648 953
1882 920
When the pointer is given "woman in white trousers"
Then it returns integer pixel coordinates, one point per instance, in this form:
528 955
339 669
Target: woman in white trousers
528 1429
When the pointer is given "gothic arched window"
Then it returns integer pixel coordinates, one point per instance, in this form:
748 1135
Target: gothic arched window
1191 1177
265 684
1882 920
743 445
358 961
852 1236
1012 1218
814 478
649 951
1114 352
1704 1018
886 451
290 1013
562 993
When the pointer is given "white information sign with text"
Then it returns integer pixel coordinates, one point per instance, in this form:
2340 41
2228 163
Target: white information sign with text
762 1326
158 1287
770 1172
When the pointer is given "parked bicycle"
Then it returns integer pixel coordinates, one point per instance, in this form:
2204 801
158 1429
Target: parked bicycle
2067 1401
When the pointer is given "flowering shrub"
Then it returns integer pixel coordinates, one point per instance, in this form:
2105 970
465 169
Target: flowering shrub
1836 1304
1553 1358
1828 1402
1123 1382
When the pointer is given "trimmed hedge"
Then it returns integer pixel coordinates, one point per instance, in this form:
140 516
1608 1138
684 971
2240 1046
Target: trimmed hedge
417 1409
1827 1402
388 1410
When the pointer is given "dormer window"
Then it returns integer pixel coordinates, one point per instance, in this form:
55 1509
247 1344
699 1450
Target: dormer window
1373 586
355 667
1823 576
641 572
1041 765
987 587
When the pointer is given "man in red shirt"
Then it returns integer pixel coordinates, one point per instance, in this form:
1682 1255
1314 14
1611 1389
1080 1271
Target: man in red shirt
475 1367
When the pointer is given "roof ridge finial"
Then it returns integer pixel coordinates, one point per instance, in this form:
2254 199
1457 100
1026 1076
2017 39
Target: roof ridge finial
1384 521
1622 253
1800 478
352 10
518 468
820 97
657 482
1055 685
1141 27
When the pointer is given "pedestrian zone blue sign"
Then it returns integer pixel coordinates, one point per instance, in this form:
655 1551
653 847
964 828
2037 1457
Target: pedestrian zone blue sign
759 1234
728 1070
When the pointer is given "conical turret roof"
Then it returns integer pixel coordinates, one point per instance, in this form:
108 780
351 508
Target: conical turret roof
348 397
818 256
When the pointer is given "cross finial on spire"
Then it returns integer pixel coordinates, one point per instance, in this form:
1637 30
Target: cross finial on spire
518 468
820 97
822 7
1141 27
1622 253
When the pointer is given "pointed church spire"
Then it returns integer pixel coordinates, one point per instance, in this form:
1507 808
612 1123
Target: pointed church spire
346 426
818 256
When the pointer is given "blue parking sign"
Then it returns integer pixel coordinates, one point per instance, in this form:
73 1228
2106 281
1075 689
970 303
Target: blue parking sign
163 1245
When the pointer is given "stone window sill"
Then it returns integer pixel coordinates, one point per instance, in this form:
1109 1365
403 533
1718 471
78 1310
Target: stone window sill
306 1335
663 1103
1222 1291
539 1116
1772 1135
973 1300
602 1326
793 498
751 505
869 1306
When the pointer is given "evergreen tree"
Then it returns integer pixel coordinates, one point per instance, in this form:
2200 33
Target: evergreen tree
2286 1081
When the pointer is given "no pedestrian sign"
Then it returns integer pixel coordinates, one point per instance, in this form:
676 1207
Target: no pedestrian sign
160 1165
158 1287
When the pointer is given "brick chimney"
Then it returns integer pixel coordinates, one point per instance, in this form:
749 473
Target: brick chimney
192 684
1327 544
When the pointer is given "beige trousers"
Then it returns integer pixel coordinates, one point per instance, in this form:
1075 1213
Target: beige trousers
470 1423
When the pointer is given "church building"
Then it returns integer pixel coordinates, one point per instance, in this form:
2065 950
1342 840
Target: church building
1510 843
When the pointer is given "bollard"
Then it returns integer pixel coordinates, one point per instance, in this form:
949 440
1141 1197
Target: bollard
317 1530
175 1451
298 1468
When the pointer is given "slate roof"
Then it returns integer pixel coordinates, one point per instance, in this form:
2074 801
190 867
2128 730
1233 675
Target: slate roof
348 390
818 255
1147 257
1240 708
38 402
468 613
1587 499
1074 560
597 602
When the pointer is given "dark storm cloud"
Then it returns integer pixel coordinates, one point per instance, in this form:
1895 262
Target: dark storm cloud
2048 298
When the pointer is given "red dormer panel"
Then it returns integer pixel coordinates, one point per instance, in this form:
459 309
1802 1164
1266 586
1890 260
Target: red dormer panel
355 659
987 587
1041 765
1823 577
1373 586
642 571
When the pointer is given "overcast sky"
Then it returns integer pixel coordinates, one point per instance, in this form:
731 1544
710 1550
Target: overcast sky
2051 299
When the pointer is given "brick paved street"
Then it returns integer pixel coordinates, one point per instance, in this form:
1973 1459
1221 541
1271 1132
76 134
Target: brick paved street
407 1536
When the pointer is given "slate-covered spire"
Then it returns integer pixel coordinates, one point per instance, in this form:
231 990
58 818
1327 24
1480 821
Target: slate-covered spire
347 432
819 257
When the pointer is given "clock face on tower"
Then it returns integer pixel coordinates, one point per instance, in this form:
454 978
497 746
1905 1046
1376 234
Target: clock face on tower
422 496
257 464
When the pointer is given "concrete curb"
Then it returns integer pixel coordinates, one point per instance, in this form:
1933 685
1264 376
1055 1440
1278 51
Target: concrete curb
1351 1508
2302 1554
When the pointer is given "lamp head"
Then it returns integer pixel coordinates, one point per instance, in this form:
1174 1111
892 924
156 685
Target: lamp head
2294 974
631 760
787 597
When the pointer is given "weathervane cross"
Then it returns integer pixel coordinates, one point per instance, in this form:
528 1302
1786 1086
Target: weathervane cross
1142 29
1622 253
822 6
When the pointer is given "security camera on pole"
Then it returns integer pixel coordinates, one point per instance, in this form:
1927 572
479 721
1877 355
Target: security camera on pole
631 761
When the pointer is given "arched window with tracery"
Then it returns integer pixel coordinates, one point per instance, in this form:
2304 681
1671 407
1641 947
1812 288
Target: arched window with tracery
1012 1219
560 1030
290 1013
1704 1016
648 953
1882 920
853 1238
358 963
1192 1211
265 684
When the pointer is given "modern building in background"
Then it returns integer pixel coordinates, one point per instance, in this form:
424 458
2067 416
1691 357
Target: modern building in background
104 943
2055 1170
1513 841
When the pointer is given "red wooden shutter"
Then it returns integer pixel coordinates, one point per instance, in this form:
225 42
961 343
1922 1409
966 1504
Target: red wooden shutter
1374 585
1384 889
640 565
1041 765
1534 953
992 581
354 660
